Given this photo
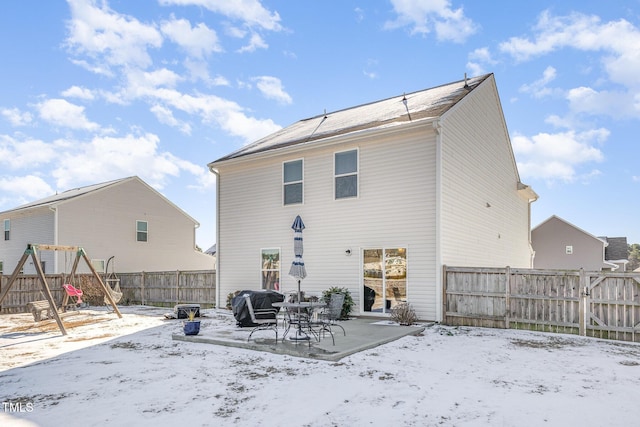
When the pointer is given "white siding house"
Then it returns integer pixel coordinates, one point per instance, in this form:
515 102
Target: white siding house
126 219
389 193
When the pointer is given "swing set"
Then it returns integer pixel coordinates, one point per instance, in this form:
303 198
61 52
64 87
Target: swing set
70 290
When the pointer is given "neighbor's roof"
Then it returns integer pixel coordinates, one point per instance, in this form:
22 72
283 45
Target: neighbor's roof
428 103
617 250
82 191
69 194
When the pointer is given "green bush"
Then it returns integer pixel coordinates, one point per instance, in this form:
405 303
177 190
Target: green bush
348 301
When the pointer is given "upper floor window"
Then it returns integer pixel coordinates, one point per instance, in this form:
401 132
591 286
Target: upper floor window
346 174
292 177
1 268
568 250
142 231
7 228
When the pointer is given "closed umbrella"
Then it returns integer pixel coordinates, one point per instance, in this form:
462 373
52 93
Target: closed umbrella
297 266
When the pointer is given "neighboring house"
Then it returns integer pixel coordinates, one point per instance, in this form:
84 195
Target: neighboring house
389 192
558 244
617 252
125 218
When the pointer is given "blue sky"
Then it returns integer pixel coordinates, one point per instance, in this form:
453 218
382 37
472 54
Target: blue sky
98 90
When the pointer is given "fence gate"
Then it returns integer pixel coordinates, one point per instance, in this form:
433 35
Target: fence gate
612 306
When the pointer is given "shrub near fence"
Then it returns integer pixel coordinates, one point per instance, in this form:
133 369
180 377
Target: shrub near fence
164 289
596 304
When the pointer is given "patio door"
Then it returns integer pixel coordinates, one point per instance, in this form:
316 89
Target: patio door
384 279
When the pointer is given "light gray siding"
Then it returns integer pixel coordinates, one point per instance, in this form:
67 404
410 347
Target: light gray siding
484 222
104 224
33 226
395 208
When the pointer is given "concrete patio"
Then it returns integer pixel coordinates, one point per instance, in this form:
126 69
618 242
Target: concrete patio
361 334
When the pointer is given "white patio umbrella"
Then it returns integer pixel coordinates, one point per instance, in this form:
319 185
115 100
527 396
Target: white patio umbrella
297 266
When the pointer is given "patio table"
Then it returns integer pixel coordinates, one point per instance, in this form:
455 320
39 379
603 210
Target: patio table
299 306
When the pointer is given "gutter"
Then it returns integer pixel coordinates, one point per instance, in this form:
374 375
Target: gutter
217 174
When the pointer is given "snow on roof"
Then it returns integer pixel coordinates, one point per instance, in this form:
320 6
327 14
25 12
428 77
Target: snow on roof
428 103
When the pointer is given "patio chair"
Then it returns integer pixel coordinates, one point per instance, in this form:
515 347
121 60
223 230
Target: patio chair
265 318
333 311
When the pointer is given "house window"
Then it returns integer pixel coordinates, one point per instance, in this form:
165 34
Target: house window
98 265
7 228
142 231
1 268
270 269
568 250
292 175
346 174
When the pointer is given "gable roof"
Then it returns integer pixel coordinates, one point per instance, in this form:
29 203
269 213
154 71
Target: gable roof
425 104
66 195
75 193
552 217
616 249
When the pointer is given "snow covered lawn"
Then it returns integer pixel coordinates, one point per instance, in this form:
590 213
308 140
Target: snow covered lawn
119 372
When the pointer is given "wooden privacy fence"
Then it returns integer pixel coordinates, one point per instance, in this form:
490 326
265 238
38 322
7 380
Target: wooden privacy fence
595 304
165 288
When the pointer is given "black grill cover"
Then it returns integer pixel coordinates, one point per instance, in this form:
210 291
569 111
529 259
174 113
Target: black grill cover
259 299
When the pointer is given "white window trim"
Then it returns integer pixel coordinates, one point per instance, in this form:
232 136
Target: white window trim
137 231
293 182
568 250
5 228
356 173
279 270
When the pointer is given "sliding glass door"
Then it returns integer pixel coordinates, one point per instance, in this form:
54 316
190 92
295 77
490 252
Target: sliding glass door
384 279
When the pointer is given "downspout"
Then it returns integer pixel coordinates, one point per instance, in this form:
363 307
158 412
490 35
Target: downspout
438 264
55 238
217 174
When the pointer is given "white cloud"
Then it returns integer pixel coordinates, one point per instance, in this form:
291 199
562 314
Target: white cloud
25 188
106 158
250 12
198 41
619 40
78 92
166 116
538 88
477 60
107 36
62 113
271 88
616 104
425 16
16 117
560 156
25 153
255 42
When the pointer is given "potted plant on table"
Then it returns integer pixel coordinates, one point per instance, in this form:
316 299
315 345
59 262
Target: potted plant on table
191 326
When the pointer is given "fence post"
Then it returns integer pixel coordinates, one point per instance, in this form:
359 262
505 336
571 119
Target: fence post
507 298
444 294
142 289
582 304
177 286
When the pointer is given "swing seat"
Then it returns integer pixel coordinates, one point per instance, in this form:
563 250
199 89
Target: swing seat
73 292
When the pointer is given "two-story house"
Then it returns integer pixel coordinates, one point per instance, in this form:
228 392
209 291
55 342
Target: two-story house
560 245
125 219
389 192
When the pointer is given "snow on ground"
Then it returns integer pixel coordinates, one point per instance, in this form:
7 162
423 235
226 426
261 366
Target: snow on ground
129 372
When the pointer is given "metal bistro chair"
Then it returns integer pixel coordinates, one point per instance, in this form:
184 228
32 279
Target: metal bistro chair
333 312
265 318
